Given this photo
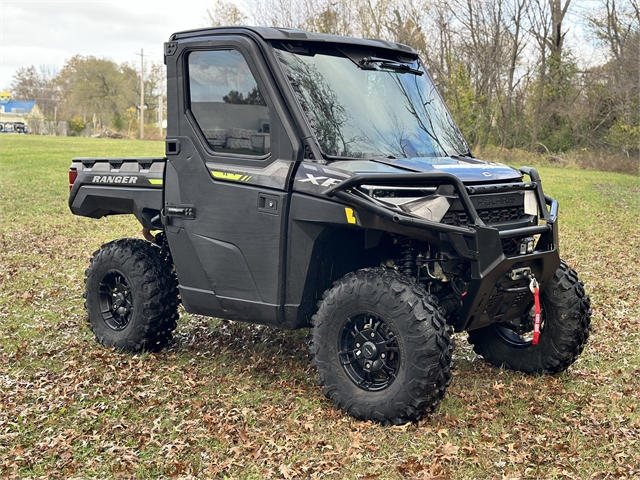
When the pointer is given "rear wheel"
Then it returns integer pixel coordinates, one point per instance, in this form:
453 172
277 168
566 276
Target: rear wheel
381 349
131 296
565 326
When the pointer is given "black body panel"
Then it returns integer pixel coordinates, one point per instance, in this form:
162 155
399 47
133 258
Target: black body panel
97 202
235 263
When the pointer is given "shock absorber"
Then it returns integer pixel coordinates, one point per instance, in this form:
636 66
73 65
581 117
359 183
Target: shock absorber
408 259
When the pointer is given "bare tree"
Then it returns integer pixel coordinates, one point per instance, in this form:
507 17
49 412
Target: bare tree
517 12
483 42
224 13
502 65
279 13
371 17
616 26
403 24
329 16
37 84
540 31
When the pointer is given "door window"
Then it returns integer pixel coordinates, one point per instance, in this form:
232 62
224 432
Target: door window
227 103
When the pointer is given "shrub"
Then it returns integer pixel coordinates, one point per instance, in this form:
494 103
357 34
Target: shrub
76 126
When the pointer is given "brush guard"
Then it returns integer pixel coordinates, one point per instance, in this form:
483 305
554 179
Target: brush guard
476 242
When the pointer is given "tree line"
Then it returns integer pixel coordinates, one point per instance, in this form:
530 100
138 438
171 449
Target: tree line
504 67
90 91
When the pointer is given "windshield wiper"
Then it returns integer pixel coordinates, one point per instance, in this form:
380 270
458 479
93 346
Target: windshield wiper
467 157
467 154
390 64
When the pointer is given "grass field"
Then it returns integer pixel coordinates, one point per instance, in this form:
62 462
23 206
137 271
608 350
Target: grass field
238 401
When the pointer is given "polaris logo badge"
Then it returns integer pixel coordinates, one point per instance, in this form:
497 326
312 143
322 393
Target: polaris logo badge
496 200
114 179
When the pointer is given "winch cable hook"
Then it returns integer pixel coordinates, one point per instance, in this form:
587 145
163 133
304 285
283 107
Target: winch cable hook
534 286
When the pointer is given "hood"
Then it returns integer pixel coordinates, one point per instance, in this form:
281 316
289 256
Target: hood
469 170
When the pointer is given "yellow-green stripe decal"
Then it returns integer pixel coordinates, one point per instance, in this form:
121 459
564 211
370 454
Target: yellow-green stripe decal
236 177
155 181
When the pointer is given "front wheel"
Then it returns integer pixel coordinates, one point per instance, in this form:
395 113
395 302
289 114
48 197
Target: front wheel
566 322
131 296
381 349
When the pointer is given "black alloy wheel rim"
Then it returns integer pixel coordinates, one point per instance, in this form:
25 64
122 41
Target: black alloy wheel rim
368 351
516 339
116 305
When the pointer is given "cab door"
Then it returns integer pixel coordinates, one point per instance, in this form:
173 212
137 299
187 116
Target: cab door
230 158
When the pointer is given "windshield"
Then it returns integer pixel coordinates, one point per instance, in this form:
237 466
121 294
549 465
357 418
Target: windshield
379 108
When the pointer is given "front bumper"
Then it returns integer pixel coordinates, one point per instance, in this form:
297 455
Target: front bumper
490 297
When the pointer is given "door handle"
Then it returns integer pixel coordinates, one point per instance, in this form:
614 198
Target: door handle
268 204
183 211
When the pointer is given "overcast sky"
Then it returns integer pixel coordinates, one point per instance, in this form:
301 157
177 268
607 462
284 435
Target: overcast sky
49 32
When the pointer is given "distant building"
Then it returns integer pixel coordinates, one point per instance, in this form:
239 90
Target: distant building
18 111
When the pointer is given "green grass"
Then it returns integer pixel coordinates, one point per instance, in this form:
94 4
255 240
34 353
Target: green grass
232 400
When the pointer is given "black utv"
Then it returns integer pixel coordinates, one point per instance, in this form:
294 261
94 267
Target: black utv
320 181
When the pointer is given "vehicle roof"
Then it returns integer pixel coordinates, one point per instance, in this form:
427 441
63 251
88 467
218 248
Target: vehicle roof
292 34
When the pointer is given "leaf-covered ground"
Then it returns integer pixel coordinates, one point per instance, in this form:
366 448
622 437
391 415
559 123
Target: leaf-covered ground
232 400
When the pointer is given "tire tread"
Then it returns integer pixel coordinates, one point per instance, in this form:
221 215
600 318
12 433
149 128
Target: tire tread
571 305
426 381
157 294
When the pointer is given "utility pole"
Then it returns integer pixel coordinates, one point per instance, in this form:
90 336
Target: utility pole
141 94
160 114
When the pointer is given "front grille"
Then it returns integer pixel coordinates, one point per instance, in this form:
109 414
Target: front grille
494 215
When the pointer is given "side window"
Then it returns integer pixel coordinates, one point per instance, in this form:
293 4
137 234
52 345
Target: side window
227 103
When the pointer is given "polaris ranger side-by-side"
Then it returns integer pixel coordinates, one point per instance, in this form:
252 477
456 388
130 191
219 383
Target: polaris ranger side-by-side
320 181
